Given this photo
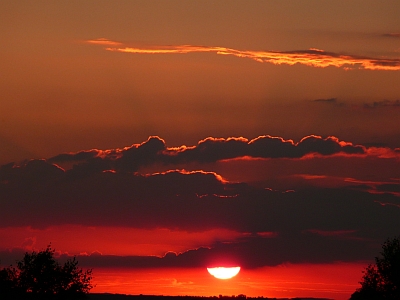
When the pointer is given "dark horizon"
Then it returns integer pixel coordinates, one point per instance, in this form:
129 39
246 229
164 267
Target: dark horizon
108 296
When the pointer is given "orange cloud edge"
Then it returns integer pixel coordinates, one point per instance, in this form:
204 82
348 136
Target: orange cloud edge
311 57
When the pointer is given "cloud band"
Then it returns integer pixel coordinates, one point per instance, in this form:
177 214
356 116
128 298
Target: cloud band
311 57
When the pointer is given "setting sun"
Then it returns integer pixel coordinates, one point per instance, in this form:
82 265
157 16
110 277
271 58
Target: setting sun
223 273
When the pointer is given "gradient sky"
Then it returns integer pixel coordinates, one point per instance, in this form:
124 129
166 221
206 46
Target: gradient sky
174 135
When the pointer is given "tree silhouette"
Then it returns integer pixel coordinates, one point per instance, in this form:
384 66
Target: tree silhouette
39 275
381 281
8 282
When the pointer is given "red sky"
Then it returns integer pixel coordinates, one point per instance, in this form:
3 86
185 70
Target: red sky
153 139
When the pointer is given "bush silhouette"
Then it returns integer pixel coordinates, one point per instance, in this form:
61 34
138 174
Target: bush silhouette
381 281
39 276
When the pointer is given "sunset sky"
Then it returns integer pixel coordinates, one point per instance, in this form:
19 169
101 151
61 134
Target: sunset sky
153 139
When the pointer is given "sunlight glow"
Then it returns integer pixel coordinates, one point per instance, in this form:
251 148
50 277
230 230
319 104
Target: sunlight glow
223 273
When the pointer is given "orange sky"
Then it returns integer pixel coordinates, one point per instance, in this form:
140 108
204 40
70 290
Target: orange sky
61 94
281 281
170 135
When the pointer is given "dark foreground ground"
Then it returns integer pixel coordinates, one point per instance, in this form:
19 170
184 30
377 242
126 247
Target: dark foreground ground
151 297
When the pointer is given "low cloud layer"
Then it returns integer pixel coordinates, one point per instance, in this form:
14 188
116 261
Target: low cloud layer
311 57
309 224
191 201
251 252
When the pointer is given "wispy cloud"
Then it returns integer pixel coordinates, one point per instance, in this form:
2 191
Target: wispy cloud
392 35
383 103
327 100
311 57
367 106
104 42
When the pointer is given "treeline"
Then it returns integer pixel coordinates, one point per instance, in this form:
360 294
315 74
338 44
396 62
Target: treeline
39 276
161 297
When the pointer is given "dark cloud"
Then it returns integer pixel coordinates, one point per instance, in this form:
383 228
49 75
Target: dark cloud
197 201
128 159
383 103
11 256
138 155
102 190
75 157
330 101
250 252
367 105
97 198
327 100
34 172
154 150
212 149
392 35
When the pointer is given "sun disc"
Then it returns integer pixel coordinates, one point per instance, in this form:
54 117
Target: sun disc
223 273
